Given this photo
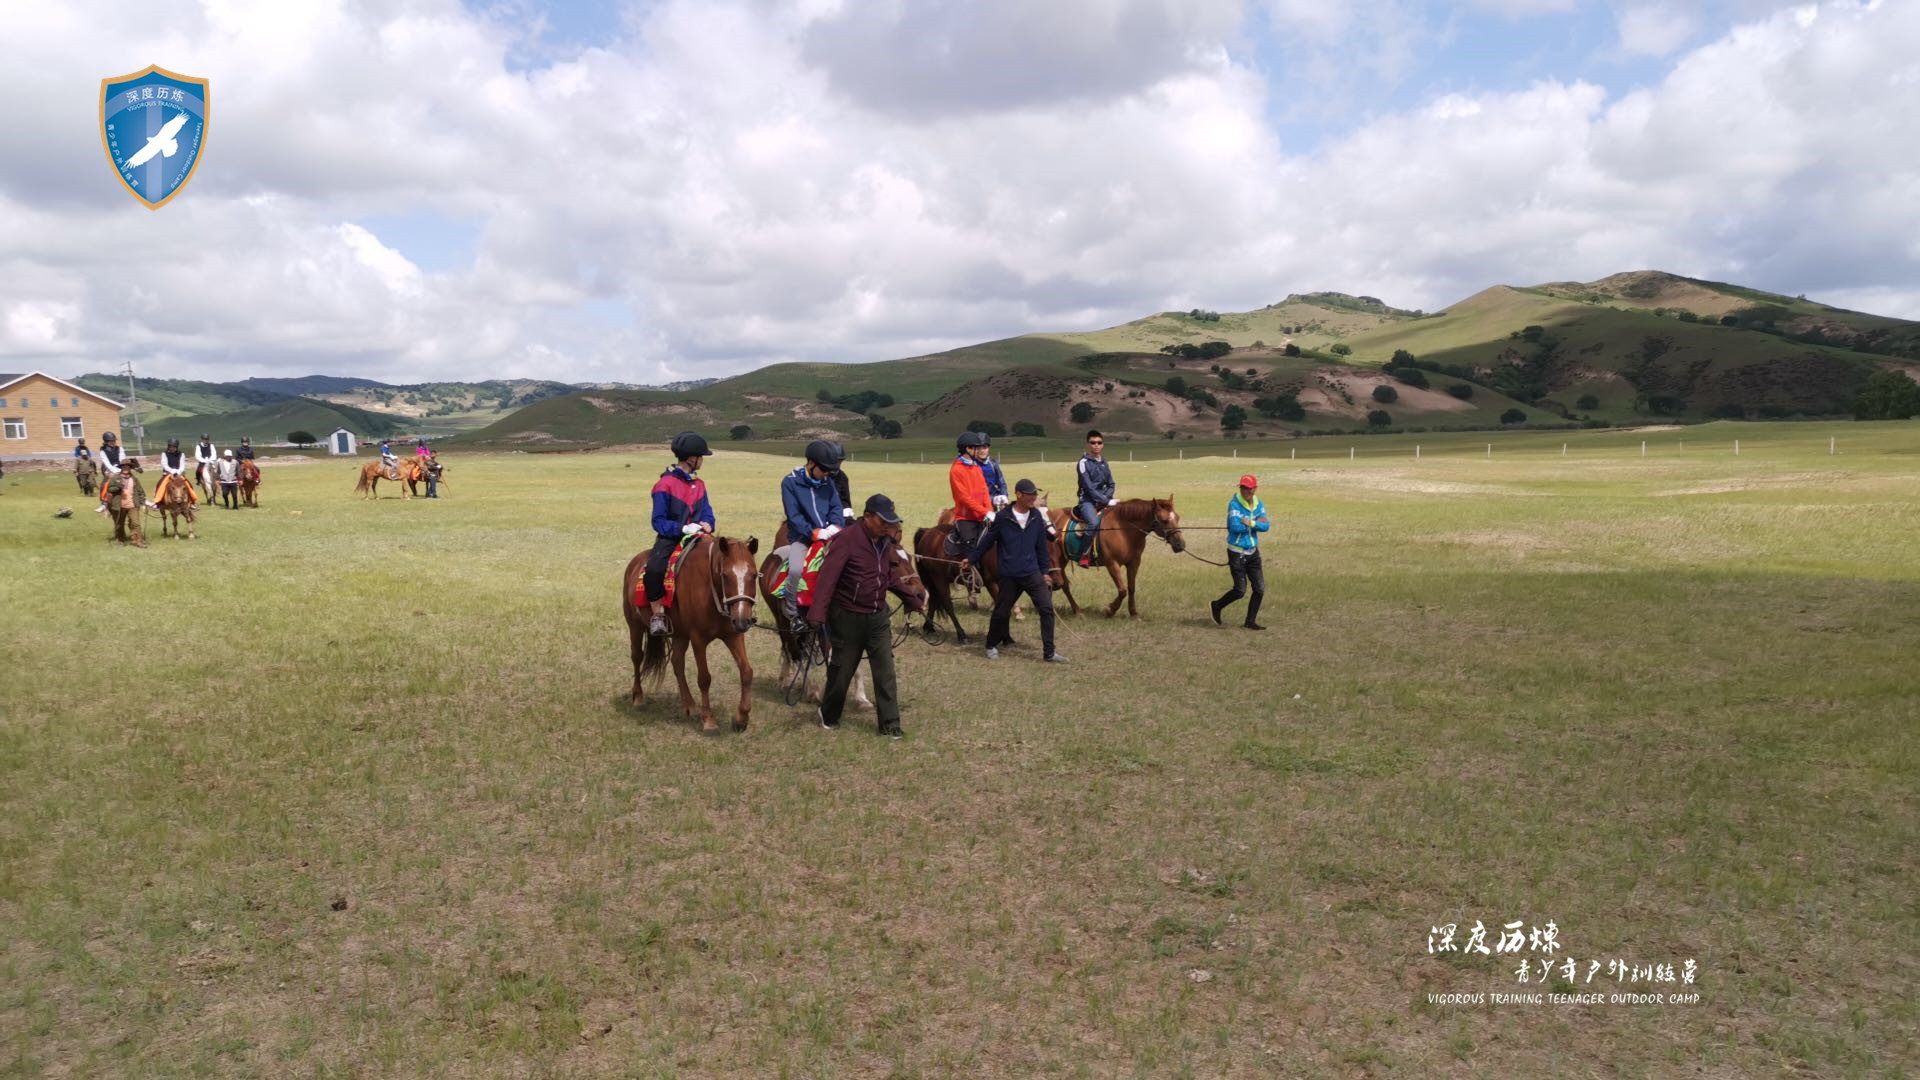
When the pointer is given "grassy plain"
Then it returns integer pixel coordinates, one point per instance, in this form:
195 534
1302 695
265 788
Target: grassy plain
348 788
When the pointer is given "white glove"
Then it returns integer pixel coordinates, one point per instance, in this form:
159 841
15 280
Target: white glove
988 520
999 501
827 533
692 528
1113 502
847 513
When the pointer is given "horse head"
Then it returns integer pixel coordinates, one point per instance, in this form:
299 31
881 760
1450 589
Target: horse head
735 578
1166 523
909 575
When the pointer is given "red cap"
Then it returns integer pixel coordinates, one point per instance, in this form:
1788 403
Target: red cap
1248 481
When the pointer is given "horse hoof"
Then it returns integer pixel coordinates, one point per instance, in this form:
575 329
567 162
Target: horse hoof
739 726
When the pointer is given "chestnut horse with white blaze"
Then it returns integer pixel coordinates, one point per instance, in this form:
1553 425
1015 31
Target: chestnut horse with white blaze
1123 542
249 484
713 601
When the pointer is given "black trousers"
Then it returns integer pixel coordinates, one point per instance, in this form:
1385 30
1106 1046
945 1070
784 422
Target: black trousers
1246 570
854 636
230 494
655 576
1033 587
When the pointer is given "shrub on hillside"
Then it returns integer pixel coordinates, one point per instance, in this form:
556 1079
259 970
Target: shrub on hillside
1291 349
1385 395
1513 416
1177 386
1281 407
301 438
1410 375
990 428
1401 358
1023 429
1379 418
1587 403
1082 412
1341 349
1233 418
1887 395
1463 391
1729 410
740 431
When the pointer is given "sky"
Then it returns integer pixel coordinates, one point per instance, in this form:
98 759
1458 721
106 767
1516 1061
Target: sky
639 192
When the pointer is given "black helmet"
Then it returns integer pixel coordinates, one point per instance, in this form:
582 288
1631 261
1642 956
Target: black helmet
689 444
204 436
825 454
839 452
109 437
173 444
967 440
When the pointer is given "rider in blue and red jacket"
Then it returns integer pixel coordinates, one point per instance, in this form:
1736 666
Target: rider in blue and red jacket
680 509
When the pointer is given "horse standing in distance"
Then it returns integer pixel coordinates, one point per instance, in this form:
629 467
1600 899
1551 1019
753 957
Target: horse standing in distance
373 472
176 507
1123 542
249 484
713 601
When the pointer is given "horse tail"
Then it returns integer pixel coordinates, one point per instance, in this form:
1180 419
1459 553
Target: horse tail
654 665
362 485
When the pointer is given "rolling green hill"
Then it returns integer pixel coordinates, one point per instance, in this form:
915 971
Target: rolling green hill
162 399
272 423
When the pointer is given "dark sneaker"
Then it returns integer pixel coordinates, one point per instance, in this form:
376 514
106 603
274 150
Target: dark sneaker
1214 606
892 731
1255 626
830 725
1056 658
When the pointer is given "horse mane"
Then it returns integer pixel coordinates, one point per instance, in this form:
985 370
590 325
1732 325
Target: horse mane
1137 508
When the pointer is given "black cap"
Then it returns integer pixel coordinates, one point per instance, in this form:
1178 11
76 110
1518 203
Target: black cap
1025 487
882 507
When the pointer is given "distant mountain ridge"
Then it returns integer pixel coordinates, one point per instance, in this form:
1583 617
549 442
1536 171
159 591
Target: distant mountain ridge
1631 347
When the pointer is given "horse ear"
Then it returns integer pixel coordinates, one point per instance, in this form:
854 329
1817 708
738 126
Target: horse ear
753 545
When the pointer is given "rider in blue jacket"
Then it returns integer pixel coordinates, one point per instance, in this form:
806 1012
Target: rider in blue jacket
814 510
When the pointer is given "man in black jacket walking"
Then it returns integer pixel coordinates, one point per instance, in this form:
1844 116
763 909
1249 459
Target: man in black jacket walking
1020 532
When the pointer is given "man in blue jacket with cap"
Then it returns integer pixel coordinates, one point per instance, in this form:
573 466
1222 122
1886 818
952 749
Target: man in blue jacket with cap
1020 532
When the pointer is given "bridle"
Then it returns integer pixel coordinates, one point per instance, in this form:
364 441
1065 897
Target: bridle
721 602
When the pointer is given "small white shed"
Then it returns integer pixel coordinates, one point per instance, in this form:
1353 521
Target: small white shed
342 442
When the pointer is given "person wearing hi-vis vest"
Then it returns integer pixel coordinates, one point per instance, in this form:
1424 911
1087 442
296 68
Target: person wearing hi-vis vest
1246 520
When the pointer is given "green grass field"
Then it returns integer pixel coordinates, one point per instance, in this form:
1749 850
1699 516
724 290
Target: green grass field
349 788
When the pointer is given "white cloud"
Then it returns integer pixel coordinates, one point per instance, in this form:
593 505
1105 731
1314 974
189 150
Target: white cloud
732 179
1655 29
1514 9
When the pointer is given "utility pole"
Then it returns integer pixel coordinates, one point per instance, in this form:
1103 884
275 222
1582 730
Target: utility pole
133 405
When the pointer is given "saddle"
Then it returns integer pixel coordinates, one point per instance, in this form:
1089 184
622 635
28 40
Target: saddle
1077 540
809 572
640 598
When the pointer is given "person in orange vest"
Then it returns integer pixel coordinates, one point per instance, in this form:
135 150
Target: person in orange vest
973 503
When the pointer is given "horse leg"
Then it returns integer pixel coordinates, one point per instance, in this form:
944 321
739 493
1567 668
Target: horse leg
707 726
1120 589
737 645
680 675
860 697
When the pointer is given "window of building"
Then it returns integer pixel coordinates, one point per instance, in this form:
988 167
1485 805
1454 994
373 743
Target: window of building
53 402
71 428
3 403
76 403
14 427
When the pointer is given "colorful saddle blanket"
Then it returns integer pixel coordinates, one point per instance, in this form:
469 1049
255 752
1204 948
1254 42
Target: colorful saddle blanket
1077 540
673 573
809 572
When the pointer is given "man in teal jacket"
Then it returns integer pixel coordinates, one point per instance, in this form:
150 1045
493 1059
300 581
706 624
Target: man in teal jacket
1246 520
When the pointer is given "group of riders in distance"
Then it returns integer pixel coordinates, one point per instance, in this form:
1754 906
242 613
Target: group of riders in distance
231 474
830 571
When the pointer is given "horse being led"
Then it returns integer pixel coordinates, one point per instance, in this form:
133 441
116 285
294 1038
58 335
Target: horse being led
1123 542
249 484
373 472
713 601
176 505
791 643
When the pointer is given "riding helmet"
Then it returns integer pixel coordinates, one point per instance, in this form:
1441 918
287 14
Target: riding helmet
689 444
108 437
824 454
967 439
173 444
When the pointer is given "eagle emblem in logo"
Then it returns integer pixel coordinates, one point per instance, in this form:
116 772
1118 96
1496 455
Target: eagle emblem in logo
153 126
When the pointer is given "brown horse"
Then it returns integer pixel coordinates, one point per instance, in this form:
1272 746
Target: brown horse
1123 542
791 643
714 594
415 477
249 484
373 472
940 572
175 505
